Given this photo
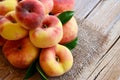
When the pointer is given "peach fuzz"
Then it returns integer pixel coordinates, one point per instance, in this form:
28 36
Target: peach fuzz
47 35
62 5
56 60
30 13
70 30
7 5
20 53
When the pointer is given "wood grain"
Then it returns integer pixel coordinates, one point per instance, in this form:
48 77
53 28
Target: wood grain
8 72
94 56
96 71
108 68
83 8
105 18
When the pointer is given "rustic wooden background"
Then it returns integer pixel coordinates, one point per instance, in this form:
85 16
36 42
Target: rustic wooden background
97 54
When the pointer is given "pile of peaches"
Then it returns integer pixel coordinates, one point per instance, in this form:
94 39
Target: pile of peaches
38 29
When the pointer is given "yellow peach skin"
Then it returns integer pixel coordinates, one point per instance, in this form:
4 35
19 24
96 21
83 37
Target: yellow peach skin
7 5
11 30
47 35
20 53
56 60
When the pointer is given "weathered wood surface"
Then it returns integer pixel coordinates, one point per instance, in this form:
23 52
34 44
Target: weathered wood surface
96 56
105 18
84 7
109 66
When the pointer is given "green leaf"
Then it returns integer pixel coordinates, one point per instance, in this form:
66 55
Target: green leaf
41 72
71 44
30 71
65 16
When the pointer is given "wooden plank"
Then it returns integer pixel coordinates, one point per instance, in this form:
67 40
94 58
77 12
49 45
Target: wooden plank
108 57
96 35
83 8
105 19
109 68
101 19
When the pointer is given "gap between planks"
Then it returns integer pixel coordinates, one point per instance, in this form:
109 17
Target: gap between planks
107 64
110 29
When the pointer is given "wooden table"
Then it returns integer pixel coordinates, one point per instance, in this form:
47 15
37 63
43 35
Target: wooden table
97 55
